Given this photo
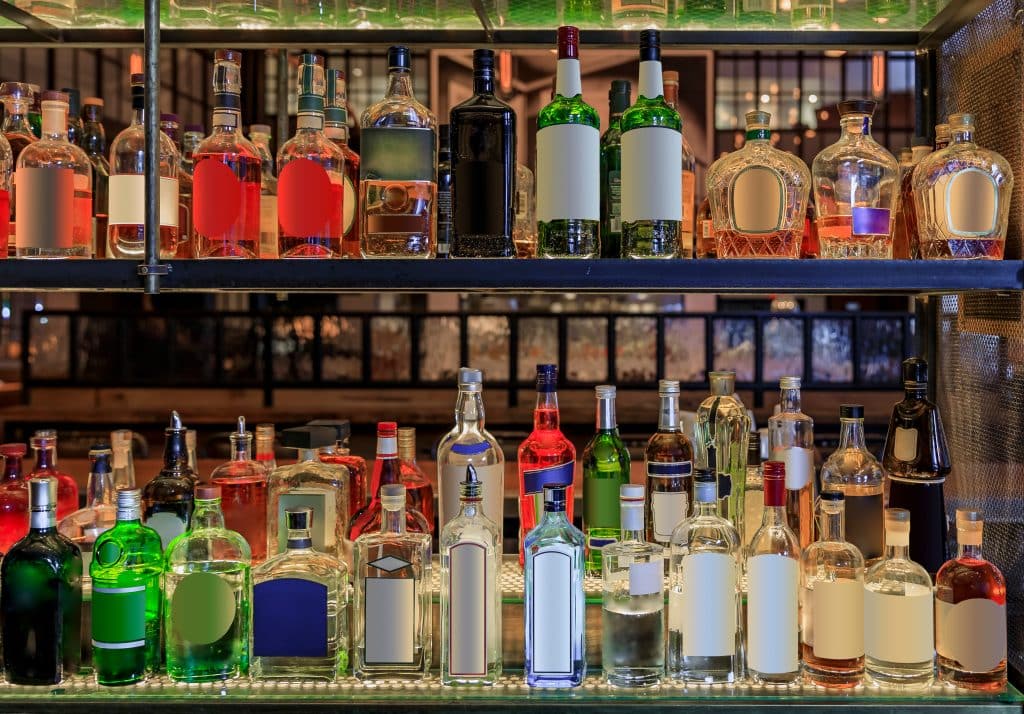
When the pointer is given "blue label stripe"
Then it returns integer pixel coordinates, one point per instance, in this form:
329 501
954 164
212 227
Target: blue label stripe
535 480
470 449
677 468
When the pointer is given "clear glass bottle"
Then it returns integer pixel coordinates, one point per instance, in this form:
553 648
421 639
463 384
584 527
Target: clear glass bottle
248 14
340 453
85 525
568 163
192 454
16 98
669 464
44 444
300 610
243 486
637 15
191 13
170 124
418 487
125 573
207 590
856 189
704 634
619 98
194 135
753 489
122 460
943 136
470 548
970 613
689 175
392 634
832 602
633 600
553 604
398 207
387 469
524 233
126 211
336 129
605 467
791 441
899 637
704 237
265 435
167 500
773 582
13 496
812 14
962 197
906 238
470 444
758 197
853 470
722 429
259 135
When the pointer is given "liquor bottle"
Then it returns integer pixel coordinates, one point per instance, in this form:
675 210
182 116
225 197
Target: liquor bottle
916 460
633 15
300 610
248 14
704 238
722 429
167 499
398 200
753 490
853 470
94 143
444 192
832 602
757 13
704 637
524 232
605 468
13 497
758 197
336 129
194 135
392 637
669 462
122 461
470 546
899 638
943 136
54 196
16 98
970 613
75 127
791 441
207 585
811 14
553 599
417 486
906 239
126 232
265 436
689 176
633 600
470 444
44 444
387 469
35 111
243 487
568 163
700 13
85 525
311 175
544 457
126 597
259 135
41 596
856 189
309 483
340 453
192 454
611 170
226 173
962 197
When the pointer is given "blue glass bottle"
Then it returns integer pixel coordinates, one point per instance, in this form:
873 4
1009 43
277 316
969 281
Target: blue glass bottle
554 605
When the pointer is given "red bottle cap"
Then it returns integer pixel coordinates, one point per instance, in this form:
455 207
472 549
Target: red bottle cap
568 42
17 450
387 428
207 491
774 483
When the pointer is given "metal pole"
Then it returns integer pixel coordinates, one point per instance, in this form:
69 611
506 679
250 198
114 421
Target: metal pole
152 269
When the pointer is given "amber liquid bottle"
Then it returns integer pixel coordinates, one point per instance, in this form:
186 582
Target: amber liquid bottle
669 461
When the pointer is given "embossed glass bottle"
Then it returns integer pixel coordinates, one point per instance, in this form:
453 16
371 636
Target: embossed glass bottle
669 462
336 129
259 135
791 441
243 485
611 171
167 499
605 467
722 429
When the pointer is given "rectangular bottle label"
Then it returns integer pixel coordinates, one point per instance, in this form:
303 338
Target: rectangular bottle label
651 180
871 221
899 628
398 154
646 578
835 624
390 620
491 477
289 618
757 200
971 203
119 617
569 173
707 608
772 609
799 465
535 479
668 509
322 503
468 609
551 607
972 632
601 503
127 200
45 207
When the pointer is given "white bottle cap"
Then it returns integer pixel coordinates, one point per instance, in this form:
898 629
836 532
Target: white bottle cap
897 527
631 502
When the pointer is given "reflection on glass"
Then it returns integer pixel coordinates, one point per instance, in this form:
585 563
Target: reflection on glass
881 350
292 349
685 355
783 349
49 347
342 348
538 344
581 13
488 345
315 13
248 14
832 345
191 13
587 349
734 347
636 344
366 14
415 13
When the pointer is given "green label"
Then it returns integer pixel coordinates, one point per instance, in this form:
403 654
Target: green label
119 617
601 502
397 154
202 608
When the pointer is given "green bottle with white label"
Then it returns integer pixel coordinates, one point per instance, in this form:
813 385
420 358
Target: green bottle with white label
605 470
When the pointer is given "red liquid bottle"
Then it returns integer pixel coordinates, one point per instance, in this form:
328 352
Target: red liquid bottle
265 435
45 446
13 497
545 457
243 488
336 129
419 491
340 454
16 98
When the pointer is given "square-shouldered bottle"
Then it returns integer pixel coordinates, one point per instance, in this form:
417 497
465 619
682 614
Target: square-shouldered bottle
341 453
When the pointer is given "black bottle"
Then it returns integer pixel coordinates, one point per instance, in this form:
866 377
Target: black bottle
167 500
444 192
483 145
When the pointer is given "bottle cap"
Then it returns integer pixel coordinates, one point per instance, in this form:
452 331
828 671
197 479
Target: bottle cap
670 76
342 427
398 58
723 382
668 387
100 456
554 497
483 60
857 106
470 488
93 102
604 391
260 129
897 526
306 438
52 95
650 46
789 383
16 451
758 119
547 377
754 448
392 496
129 499
851 411
42 494
207 491
774 483
915 372
228 56
619 96
386 429
175 422
705 486
568 42
470 376
299 519
969 526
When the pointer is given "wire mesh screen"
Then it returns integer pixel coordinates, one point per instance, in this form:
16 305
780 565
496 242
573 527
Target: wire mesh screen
981 71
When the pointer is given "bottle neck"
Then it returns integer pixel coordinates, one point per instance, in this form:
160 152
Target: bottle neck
668 415
309 121
12 468
469 507
43 520
567 78
469 410
558 517
916 391
758 135
241 447
901 551
176 451
94 139
774 516
16 118
299 540
386 467
226 120
851 434
631 518
651 84
705 508
138 116
483 83
856 125
307 455
789 400
545 414
392 521
399 83
100 491
208 515
969 551
55 124
833 525
963 135
46 458
606 420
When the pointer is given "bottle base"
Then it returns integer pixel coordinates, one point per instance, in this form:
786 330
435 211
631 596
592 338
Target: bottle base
633 677
568 238
963 249
992 681
778 679
893 676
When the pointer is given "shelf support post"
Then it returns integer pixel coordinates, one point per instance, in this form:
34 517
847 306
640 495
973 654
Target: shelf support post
925 90
151 270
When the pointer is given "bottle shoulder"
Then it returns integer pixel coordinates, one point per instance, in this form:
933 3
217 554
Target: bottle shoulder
306 564
852 466
469 446
231 144
478 529
648 113
668 446
480 104
777 539
398 113
168 483
568 110
860 155
239 470
958 157
898 576
606 447
792 170
48 153
965 578
554 534
834 554
313 146
705 533
49 547
126 547
211 546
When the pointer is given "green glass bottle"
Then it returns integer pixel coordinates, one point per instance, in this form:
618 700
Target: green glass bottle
207 591
605 468
41 596
587 13
568 163
611 171
652 152
126 566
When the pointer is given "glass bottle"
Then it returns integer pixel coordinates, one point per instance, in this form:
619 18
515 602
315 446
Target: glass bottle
704 635
757 13
94 143
704 239
856 184
791 441
167 499
125 572
35 111
637 15
906 239
248 14
544 457
689 176
669 465
943 136
85 525
916 460
398 201
340 453
418 487
243 486
259 135
336 129
633 600
226 173
300 610
470 546
44 444
619 97
524 233
392 637
387 469
265 436
753 490
605 468
311 175
207 587
962 197
811 14
470 444
54 195
13 497
191 13
41 596
553 605
192 454
483 158
122 460
6 173
16 98
758 197
126 232
811 246
194 135
722 429
568 163
853 470
970 613
832 602
444 192
899 638
75 127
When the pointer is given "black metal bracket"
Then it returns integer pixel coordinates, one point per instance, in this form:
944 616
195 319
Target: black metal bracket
30 22
158 269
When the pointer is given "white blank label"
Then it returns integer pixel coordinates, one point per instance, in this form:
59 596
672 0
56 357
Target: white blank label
667 510
905 448
552 612
899 628
757 200
390 620
972 632
569 173
646 578
127 200
837 619
708 605
467 610
652 182
772 628
799 465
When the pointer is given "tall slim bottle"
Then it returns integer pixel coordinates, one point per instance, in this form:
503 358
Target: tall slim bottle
611 170
336 129
44 444
418 487
753 491
170 124
669 462
791 441
722 429
16 98
605 469
387 470
167 499
259 135
243 486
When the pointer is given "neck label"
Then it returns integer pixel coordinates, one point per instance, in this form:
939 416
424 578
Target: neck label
567 78
650 83
470 611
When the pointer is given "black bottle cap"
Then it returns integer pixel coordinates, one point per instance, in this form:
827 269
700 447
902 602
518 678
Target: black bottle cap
650 46
857 106
915 370
483 60
619 95
398 57
754 448
833 496
342 427
851 411
307 437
